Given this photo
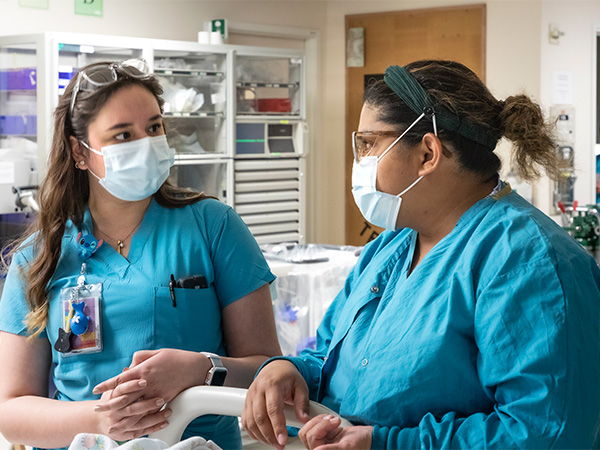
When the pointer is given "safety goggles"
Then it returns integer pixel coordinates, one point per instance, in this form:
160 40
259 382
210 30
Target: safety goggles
363 142
100 75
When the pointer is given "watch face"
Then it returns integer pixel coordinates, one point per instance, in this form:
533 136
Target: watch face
218 376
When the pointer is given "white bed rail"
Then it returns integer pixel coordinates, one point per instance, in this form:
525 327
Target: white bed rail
226 401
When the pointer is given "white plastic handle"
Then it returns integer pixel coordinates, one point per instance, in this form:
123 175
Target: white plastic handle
200 400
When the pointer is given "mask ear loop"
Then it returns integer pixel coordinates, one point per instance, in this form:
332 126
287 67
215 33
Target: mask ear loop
429 112
91 149
97 153
400 137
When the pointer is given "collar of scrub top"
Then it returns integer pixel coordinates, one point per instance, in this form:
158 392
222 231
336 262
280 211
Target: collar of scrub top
416 98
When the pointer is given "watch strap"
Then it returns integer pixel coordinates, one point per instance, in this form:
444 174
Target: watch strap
217 366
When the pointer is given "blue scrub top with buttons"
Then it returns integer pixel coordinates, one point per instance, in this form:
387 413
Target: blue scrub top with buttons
207 238
493 340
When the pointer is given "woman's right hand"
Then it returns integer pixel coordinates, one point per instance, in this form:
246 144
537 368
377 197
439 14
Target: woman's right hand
124 413
278 383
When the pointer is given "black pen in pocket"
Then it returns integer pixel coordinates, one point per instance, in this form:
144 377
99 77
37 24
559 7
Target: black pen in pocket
172 290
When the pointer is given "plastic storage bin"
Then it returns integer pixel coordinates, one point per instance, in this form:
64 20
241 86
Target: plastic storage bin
24 125
18 79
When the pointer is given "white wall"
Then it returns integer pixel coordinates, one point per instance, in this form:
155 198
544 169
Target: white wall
574 53
519 58
163 19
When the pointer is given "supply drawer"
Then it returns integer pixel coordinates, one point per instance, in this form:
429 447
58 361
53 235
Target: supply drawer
267 164
278 238
257 208
261 175
274 228
263 186
254 219
256 197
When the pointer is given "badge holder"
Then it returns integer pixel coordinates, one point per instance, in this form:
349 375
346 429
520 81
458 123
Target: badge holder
81 330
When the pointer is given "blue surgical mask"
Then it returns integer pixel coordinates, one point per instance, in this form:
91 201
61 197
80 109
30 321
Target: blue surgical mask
379 208
135 170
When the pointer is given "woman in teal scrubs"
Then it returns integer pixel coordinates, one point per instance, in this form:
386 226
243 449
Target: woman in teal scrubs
125 278
473 321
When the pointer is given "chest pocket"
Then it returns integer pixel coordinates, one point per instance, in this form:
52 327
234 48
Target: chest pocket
194 324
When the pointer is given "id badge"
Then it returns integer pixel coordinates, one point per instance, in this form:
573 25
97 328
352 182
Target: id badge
81 312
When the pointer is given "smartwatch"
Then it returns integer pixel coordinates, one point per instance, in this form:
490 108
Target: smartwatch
217 373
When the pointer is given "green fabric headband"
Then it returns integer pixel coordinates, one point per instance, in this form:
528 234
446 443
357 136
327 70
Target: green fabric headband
416 97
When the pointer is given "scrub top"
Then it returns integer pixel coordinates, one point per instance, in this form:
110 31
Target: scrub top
493 341
137 313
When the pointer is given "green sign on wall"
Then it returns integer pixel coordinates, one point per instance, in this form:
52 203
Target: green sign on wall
42 4
89 7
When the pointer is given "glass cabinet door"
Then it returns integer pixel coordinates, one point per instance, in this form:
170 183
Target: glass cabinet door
195 101
268 85
18 121
206 176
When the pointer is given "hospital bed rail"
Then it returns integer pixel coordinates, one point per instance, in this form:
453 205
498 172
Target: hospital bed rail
200 400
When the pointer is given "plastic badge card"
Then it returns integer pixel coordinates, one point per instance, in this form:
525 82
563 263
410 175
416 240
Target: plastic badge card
81 318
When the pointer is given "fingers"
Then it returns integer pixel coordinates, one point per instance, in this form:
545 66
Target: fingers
115 382
126 375
132 427
126 406
274 426
301 405
256 420
320 430
130 389
279 383
141 356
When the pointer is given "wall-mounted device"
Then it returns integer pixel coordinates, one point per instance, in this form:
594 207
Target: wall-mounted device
563 189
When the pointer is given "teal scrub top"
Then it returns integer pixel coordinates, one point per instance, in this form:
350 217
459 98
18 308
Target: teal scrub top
207 238
493 341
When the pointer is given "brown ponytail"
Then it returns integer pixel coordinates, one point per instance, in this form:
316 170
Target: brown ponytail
534 147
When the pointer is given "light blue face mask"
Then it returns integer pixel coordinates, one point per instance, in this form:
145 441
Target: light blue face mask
379 208
135 170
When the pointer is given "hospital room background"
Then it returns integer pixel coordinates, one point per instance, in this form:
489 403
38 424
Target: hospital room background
268 131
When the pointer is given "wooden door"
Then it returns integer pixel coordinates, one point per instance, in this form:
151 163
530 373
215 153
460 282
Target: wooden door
398 38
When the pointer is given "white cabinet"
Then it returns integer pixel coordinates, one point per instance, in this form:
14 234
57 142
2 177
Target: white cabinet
270 143
235 116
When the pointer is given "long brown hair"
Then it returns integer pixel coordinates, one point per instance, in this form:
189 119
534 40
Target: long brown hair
64 192
461 92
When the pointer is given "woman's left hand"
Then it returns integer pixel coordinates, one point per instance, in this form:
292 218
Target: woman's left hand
167 371
324 432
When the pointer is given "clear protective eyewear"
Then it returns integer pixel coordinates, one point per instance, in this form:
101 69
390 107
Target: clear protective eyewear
100 75
363 142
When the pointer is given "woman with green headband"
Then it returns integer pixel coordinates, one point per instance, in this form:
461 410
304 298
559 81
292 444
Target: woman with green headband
473 321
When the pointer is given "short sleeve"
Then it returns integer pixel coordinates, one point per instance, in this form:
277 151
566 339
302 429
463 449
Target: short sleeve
239 265
13 303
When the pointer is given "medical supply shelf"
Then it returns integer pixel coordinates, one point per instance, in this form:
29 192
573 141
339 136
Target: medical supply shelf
19 112
212 93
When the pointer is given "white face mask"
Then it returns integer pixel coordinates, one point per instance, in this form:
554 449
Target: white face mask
379 208
135 170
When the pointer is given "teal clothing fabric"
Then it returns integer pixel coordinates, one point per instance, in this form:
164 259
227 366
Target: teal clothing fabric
493 341
207 238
